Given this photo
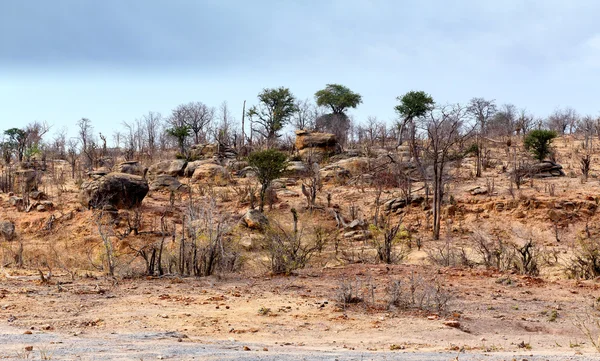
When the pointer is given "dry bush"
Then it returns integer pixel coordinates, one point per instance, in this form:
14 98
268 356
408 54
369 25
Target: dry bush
418 293
585 262
348 293
494 252
389 241
449 255
527 259
290 250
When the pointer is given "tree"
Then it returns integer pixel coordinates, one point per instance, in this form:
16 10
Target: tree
152 126
561 119
337 97
503 121
180 133
413 104
198 117
446 133
275 109
85 138
269 165
17 139
307 113
538 142
482 110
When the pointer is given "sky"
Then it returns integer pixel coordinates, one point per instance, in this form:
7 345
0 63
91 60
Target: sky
115 60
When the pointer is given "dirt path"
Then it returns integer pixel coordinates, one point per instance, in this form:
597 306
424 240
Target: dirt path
167 346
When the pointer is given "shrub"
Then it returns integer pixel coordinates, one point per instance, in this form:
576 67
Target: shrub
269 165
538 142
585 262
287 250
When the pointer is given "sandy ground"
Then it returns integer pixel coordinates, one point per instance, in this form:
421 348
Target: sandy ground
192 318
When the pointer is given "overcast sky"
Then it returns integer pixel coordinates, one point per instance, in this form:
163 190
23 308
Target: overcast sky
114 60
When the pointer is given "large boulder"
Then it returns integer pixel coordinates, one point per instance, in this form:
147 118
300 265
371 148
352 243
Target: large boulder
316 145
344 168
191 166
210 171
203 151
254 219
132 167
164 181
297 168
544 169
120 190
7 230
173 168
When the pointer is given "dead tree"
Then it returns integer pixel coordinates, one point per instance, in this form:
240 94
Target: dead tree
445 131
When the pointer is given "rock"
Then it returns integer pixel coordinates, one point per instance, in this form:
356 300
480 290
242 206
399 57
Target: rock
478 191
254 219
543 169
132 167
297 169
278 184
355 225
203 151
247 172
286 193
173 168
191 166
452 323
38 195
344 168
314 145
15 201
120 190
164 181
7 230
44 206
359 235
306 139
210 171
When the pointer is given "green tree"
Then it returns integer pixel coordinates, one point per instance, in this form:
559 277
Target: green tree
275 109
17 140
180 133
413 104
269 165
538 142
338 98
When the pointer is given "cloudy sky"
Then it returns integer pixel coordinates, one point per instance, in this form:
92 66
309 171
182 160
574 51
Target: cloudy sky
114 60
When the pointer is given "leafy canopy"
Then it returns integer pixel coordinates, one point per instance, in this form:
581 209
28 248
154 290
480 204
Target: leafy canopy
338 98
414 104
276 108
269 164
538 142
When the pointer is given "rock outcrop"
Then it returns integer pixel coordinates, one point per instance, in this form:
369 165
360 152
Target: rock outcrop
254 219
174 168
316 145
132 167
210 171
167 182
120 190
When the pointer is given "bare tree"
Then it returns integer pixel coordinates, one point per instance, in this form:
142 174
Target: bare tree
306 113
152 128
446 133
224 132
195 115
86 140
562 119
482 110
